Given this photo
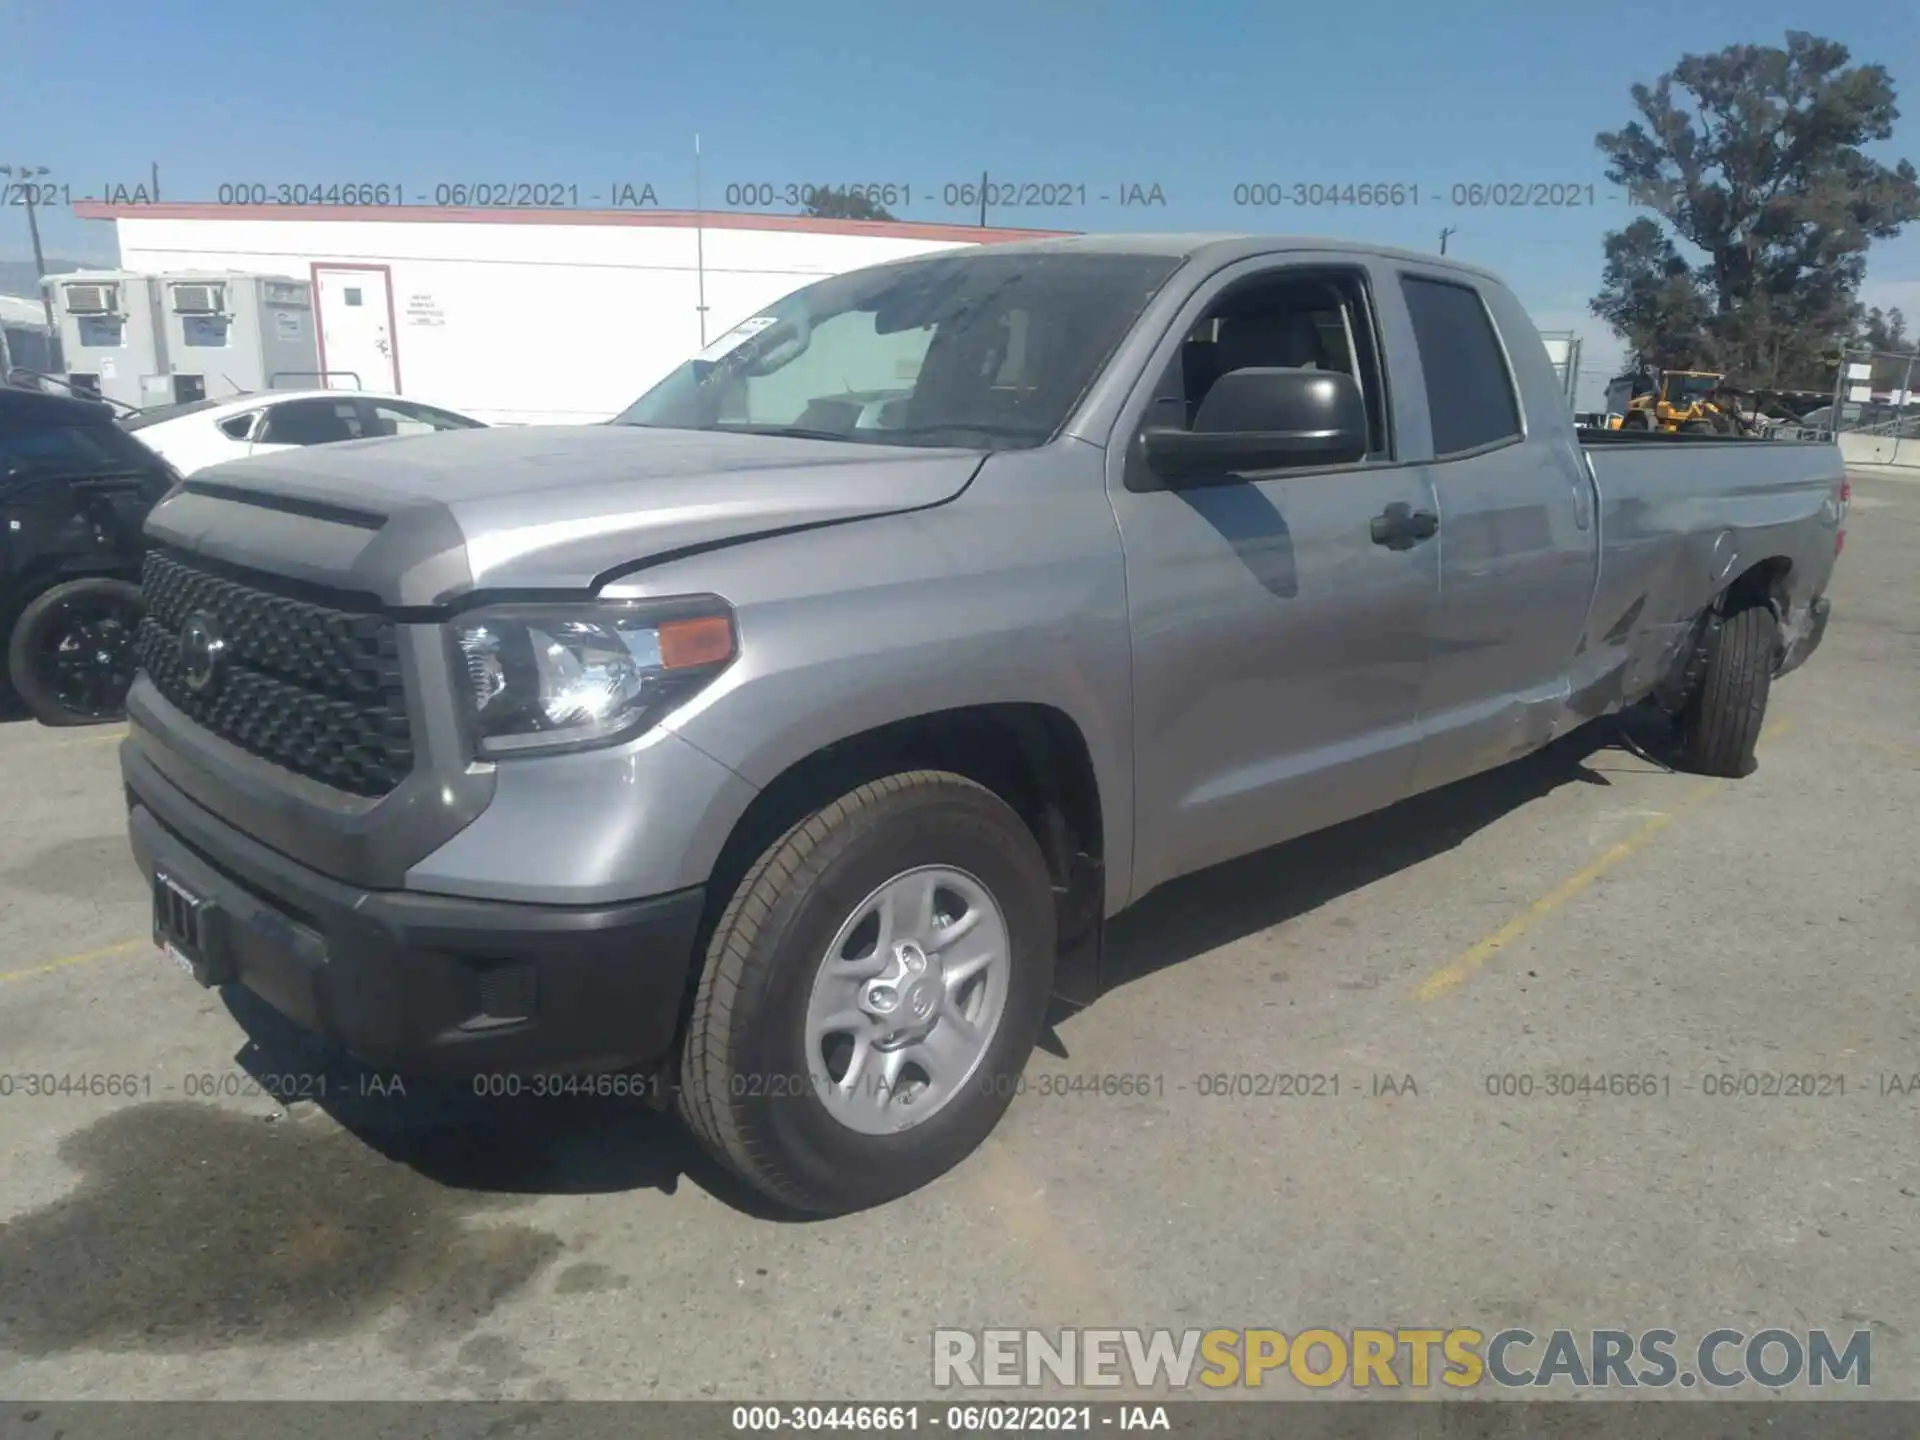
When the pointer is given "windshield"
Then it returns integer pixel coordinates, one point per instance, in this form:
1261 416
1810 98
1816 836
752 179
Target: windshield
1685 389
987 350
72 451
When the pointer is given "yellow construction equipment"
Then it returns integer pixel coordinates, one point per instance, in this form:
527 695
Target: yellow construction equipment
1690 401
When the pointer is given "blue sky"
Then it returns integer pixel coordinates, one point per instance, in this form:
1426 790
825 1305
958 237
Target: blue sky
1193 98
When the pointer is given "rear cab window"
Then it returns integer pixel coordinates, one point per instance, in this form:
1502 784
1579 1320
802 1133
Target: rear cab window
1472 402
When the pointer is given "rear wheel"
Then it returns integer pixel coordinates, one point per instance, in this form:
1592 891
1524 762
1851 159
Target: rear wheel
1721 721
871 994
71 659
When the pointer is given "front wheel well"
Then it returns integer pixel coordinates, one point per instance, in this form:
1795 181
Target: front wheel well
1032 756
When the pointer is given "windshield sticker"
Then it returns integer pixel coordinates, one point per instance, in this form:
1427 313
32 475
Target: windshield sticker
735 338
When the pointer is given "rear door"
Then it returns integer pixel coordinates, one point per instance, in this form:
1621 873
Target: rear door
1517 543
1279 649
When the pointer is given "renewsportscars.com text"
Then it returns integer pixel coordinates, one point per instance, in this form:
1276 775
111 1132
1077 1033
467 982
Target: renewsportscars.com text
1400 1357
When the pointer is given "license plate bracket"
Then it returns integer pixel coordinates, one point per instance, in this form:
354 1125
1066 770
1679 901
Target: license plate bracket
186 928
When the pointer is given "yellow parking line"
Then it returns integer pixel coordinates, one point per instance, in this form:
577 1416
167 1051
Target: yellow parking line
105 952
97 739
1461 969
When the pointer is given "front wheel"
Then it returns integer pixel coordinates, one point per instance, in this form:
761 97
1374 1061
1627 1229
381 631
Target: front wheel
871 994
71 659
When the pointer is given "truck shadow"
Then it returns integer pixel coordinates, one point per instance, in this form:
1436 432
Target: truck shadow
455 1134
1215 907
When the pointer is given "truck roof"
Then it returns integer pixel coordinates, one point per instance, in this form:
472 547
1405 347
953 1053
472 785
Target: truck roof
1225 247
26 406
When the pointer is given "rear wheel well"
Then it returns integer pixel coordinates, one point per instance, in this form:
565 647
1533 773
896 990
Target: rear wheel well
1032 756
1767 582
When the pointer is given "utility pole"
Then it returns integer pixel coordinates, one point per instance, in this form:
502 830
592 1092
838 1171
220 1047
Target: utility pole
699 245
29 176
983 199
1449 230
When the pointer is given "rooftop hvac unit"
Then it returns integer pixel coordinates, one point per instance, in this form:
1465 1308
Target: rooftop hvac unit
199 299
93 299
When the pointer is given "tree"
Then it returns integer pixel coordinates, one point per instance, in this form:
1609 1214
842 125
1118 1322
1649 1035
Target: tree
1757 169
1885 333
1886 330
829 203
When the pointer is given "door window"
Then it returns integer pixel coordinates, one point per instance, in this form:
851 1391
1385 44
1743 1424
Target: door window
312 422
1470 394
1319 320
400 417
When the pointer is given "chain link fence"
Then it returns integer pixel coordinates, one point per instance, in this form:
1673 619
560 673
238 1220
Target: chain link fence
1874 412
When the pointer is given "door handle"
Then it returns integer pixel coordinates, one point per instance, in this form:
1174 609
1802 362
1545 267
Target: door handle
1401 527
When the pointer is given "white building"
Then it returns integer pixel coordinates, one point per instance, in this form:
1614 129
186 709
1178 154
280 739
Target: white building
25 340
1563 349
518 316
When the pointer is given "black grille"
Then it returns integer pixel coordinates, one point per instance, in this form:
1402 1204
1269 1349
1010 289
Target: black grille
315 689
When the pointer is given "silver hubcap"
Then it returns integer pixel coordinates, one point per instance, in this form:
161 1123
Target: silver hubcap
907 999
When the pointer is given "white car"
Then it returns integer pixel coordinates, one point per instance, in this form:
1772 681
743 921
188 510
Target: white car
206 432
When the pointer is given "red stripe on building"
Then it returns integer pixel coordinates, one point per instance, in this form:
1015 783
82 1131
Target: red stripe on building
645 219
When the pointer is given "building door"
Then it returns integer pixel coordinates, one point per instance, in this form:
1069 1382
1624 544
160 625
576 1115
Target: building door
357 342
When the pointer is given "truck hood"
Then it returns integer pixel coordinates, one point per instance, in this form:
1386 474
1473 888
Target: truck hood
422 520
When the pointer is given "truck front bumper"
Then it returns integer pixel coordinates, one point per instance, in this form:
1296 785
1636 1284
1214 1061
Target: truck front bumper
1804 633
418 983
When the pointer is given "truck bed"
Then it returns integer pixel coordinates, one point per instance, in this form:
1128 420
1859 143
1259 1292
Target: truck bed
1679 514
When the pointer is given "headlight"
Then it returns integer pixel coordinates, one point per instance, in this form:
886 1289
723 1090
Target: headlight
546 677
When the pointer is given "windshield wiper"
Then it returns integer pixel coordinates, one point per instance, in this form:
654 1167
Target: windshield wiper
65 476
792 432
998 432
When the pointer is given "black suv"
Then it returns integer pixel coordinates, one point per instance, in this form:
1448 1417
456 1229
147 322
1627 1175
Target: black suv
75 490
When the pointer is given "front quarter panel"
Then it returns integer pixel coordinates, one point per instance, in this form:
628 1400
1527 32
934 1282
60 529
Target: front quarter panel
1013 593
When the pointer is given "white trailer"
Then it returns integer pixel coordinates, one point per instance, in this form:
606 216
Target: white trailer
519 316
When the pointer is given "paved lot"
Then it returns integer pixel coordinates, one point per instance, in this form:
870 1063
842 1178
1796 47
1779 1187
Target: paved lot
1584 913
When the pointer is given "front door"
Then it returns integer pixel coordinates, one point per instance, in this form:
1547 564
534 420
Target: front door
1279 647
355 310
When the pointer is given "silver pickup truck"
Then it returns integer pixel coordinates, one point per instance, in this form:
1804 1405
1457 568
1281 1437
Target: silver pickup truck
789 739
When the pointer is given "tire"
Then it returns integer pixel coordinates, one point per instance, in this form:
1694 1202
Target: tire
1636 420
1721 721
749 1089
88 694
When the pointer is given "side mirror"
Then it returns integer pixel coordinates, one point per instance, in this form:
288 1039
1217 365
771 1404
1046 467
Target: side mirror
1262 419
